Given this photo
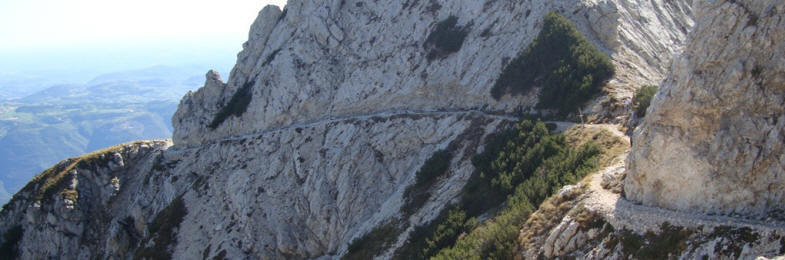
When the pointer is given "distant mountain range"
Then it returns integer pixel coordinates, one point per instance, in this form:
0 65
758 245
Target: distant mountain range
66 120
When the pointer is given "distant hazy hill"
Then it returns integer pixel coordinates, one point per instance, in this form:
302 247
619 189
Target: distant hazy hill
71 119
4 195
155 83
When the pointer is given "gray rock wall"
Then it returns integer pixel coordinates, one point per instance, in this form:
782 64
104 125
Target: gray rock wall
712 139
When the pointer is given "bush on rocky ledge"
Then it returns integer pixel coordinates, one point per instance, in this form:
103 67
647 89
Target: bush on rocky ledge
643 98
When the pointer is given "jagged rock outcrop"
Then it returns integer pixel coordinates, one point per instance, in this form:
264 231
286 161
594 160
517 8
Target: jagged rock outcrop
713 137
331 109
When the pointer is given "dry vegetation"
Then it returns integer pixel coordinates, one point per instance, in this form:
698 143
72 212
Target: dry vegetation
53 179
612 145
549 214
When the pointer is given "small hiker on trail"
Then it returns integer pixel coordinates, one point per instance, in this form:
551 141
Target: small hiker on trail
627 102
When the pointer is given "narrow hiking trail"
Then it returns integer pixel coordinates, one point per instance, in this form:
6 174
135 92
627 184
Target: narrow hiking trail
356 117
623 213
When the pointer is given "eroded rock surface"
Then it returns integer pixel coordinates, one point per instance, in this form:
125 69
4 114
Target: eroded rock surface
712 139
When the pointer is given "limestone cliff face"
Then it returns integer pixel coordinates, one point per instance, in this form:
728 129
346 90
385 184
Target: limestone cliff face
713 137
344 105
322 59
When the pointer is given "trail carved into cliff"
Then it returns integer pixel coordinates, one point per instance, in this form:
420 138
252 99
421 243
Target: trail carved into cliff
623 213
385 114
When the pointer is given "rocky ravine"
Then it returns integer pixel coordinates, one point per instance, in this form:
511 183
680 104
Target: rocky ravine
344 105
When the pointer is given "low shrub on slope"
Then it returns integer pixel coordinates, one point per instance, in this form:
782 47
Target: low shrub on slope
569 69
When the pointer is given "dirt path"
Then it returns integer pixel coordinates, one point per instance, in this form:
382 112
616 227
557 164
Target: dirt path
622 213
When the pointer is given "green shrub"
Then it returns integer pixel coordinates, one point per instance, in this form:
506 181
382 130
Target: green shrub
521 166
671 241
426 240
162 231
446 38
10 248
497 239
507 160
373 242
643 98
570 69
416 195
236 106
448 231
434 167
735 240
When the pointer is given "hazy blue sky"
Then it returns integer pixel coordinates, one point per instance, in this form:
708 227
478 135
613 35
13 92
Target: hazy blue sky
29 24
97 36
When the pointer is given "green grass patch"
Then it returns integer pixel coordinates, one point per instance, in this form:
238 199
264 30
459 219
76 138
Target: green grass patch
236 106
415 196
446 38
569 68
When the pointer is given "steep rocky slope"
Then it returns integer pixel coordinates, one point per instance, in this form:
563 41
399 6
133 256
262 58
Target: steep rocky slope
333 107
322 59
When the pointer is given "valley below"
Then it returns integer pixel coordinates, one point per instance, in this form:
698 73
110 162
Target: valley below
67 120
